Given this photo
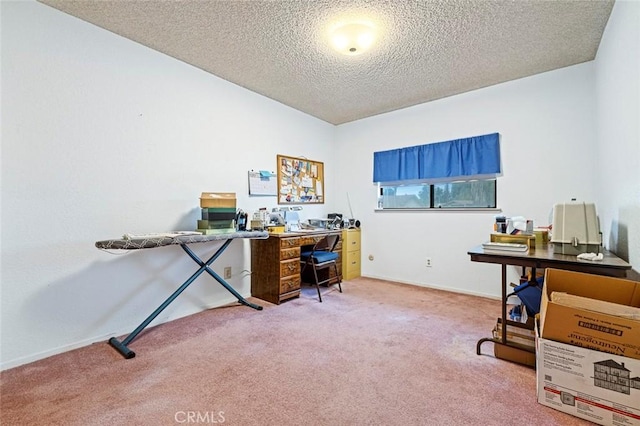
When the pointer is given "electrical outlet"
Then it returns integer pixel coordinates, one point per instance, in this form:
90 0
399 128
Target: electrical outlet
227 272
429 262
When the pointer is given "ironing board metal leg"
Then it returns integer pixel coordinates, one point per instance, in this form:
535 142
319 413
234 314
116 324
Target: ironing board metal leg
204 266
218 278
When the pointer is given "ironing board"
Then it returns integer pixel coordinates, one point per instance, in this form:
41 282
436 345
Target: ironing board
183 240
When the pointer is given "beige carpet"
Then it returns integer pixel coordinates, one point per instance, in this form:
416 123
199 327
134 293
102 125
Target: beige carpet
379 353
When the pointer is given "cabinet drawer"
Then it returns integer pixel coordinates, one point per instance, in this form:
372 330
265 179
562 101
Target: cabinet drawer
351 245
290 253
352 265
290 267
289 242
288 284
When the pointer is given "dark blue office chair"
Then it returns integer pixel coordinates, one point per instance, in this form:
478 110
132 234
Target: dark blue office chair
323 257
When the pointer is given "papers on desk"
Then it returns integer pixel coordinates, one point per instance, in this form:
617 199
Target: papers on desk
505 247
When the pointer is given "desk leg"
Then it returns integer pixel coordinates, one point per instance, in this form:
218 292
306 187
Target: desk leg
503 338
204 266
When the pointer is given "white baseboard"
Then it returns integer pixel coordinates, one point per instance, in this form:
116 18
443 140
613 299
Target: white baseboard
435 287
102 338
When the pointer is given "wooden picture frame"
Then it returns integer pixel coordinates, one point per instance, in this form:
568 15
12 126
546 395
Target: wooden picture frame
300 180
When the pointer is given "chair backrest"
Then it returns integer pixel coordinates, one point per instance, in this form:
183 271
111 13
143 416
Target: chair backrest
328 243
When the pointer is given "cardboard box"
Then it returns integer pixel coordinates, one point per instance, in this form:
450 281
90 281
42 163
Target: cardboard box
218 199
587 328
595 386
519 355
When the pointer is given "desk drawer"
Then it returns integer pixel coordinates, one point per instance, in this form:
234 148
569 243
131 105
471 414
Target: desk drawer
289 242
288 284
310 240
290 267
290 253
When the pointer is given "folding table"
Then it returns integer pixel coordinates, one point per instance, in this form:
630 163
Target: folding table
161 240
542 257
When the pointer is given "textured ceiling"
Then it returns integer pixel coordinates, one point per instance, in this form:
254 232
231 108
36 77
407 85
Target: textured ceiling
425 50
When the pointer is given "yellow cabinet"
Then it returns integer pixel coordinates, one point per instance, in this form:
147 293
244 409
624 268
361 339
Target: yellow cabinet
350 253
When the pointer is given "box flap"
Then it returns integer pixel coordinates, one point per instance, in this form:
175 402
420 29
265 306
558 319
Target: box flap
615 290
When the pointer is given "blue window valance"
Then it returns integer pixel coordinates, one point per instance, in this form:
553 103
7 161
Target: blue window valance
477 157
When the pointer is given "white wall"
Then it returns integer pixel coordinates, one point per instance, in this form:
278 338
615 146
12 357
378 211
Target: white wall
102 136
548 140
618 118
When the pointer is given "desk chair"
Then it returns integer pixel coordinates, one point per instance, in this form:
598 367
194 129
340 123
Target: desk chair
322 257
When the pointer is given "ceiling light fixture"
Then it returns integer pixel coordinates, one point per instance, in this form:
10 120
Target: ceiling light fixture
353 38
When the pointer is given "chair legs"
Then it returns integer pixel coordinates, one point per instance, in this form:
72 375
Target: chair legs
315 275
338 277
327 281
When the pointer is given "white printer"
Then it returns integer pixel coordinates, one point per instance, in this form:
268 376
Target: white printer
575 228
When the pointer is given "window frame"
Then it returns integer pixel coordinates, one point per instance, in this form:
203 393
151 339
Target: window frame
432 192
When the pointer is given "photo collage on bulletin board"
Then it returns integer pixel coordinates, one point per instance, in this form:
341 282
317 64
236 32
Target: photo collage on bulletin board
300 181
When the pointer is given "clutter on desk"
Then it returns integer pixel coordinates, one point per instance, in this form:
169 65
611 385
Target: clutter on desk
494 246
590 256
541 235
528 240
510 232
513 225
218 210
500 225
260 219
575 228
289 217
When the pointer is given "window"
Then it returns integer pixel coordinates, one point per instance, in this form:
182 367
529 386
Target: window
451 195
453 174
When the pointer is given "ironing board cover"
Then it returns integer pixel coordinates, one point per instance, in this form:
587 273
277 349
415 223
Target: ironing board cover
161 240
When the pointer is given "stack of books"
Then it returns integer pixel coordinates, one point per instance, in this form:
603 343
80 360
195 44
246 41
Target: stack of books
519 334
498 247
218 213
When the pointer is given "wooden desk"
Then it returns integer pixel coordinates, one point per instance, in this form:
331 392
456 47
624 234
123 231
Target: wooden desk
543 257
275 264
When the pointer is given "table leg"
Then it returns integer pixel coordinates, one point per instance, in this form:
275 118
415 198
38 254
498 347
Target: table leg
204 266
503 337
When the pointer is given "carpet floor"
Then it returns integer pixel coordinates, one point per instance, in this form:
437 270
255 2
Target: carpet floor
378 353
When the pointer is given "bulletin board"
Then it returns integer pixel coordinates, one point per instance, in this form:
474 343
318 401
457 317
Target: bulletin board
300 181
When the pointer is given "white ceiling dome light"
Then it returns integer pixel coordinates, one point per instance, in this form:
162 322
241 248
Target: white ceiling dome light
353 38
